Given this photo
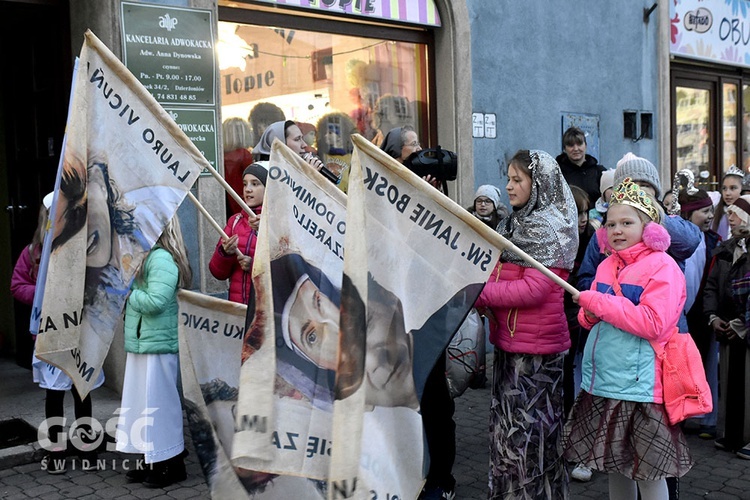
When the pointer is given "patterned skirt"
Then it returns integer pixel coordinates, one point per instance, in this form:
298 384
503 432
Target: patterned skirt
526 427
634 439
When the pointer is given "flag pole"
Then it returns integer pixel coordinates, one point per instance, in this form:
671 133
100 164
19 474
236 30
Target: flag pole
538 266
216 226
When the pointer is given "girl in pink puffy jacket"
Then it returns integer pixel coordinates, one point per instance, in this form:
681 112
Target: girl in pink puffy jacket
618 423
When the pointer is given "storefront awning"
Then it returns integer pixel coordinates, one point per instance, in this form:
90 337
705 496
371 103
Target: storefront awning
422 12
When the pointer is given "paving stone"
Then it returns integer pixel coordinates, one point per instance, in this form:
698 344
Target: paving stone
86 479
16 479
23 469
76 491
40 490
183 493
17 496
6 491
112 491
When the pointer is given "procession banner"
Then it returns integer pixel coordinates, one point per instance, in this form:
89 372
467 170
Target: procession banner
289 358
414 265
36 307
126 168
211 332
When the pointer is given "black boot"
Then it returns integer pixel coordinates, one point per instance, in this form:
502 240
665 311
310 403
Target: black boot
138 471
167 472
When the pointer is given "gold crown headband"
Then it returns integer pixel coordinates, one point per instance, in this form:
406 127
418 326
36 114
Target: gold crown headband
630 193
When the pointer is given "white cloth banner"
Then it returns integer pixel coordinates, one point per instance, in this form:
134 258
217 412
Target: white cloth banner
126 168
211 332
335 396
415 263
287 377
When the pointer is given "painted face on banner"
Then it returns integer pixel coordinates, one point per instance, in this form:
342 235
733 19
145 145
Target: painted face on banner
314 330
389 378
99 244
314 327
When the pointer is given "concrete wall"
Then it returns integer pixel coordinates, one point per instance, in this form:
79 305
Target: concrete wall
531 61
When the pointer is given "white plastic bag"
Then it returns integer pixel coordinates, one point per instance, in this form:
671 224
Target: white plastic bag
465 359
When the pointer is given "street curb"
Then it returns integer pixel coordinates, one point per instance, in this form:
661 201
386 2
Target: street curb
20 455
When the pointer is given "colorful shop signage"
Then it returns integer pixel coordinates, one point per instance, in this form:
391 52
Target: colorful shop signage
422 12
717 31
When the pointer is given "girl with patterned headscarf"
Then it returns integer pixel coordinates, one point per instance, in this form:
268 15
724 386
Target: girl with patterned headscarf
529 328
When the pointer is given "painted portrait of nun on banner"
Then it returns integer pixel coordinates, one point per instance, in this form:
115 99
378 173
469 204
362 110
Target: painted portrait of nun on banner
306 315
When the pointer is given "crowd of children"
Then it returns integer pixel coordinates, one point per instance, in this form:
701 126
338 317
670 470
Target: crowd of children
572 372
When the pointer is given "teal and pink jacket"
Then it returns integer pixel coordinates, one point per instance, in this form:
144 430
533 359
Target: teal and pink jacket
618 360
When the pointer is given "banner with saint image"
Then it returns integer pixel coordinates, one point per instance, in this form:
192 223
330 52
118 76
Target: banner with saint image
126 168
289 357
415 263
211 332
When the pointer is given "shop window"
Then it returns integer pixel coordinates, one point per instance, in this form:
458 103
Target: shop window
729 125
335 83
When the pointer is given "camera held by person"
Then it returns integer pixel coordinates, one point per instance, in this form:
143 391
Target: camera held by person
437 162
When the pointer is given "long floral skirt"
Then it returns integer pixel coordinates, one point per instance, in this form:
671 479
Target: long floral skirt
526 419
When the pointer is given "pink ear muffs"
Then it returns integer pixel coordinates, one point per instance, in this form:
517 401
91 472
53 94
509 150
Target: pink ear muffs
656 237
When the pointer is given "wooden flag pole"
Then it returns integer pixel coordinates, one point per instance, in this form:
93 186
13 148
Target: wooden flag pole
216 226
538 266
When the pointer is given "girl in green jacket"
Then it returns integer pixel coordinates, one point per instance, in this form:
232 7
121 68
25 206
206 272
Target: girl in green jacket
151 422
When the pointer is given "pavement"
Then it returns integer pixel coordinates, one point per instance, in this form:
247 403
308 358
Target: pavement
717 475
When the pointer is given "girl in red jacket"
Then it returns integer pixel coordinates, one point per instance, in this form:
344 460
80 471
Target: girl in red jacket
530 332
243 234
50 378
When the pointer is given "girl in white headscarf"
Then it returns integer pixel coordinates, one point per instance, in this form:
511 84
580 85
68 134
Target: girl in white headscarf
290 134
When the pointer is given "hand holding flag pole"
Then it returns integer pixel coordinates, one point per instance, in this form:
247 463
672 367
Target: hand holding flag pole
215 224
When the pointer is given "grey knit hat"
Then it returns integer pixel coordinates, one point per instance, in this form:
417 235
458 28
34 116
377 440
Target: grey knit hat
638 169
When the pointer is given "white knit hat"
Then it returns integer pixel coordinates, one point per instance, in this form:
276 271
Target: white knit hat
607 181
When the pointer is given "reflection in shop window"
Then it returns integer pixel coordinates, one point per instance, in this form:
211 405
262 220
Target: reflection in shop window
692 134
746 128
335 83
